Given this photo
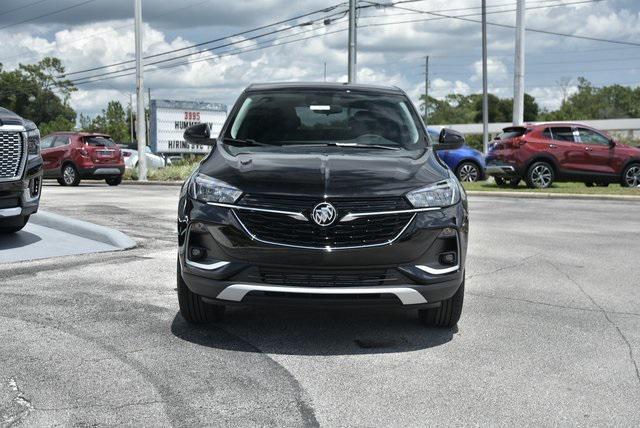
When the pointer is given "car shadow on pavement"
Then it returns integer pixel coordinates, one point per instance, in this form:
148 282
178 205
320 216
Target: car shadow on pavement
17 240
314 331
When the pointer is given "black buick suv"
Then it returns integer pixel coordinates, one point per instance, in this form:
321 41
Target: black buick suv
322 194
20 171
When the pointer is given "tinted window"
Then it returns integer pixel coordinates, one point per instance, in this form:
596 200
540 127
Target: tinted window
100 141
547 133
299 117
61 141
508 133
47 142
588 136
564 133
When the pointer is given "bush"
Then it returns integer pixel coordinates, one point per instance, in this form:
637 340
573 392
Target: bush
170 173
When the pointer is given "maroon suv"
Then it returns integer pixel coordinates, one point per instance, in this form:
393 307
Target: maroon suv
547 152
72 156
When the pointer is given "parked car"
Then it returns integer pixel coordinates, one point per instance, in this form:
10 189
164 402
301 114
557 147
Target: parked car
322 193
544 153
130 155
20 171
466 162
73 156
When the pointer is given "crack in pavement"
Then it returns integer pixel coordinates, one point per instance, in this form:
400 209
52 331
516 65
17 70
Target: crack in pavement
538 302
606 315
520 262
21 401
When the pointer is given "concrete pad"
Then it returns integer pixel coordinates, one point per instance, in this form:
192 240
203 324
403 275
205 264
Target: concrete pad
40 242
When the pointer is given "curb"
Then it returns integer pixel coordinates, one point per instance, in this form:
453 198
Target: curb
531 195
151 183
83 229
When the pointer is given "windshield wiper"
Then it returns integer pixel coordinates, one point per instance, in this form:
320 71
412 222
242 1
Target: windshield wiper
237 142
349 145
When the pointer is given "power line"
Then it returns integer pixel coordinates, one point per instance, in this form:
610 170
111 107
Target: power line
22 7
93 36
227 44
495 24
47 14
327 9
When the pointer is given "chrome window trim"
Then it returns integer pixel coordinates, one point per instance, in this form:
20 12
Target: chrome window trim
23 163
406 295
292 214
327 248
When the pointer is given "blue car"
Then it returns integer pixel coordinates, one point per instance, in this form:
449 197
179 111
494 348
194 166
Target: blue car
467 163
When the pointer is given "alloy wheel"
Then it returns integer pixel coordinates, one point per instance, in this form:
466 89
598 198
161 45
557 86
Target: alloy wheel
632 177
468 172
541 176
69 175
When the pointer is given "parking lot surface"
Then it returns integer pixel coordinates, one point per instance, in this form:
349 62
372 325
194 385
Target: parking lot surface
550 331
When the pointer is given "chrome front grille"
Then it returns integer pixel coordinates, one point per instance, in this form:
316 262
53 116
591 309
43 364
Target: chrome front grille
11 155
367 231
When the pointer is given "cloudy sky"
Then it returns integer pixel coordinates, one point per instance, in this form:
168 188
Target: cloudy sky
393 42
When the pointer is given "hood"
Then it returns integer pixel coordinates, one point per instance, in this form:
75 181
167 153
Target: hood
7 117
330 173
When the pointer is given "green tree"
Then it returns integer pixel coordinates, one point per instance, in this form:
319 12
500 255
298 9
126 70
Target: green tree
37 92
113 121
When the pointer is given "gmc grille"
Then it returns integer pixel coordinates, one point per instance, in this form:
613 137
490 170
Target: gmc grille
364 231
11 153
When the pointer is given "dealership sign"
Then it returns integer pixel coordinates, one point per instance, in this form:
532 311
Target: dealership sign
170 118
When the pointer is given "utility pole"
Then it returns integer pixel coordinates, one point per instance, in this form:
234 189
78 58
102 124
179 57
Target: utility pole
352 41
148 118
518 80
131 115
485 84
325 71
426 89
140 120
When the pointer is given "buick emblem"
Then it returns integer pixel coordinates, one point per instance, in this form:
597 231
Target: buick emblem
324 214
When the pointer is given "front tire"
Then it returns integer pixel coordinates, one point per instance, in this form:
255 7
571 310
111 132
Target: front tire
447 314
631 176
540 176
70 176
192 308
468 171
113 181
15 225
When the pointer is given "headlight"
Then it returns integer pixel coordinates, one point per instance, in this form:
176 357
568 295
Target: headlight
441 194
33 141
208 189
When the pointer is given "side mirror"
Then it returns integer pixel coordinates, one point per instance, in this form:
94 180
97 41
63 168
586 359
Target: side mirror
450 140
199 134
612 143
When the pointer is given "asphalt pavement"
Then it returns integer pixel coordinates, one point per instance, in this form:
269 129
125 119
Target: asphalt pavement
550 331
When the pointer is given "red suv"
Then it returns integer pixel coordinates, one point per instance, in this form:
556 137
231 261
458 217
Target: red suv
547 152
72 156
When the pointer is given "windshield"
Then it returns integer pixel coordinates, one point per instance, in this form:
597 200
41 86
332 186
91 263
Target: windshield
341 118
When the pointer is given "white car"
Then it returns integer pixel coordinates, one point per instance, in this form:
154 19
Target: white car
131 159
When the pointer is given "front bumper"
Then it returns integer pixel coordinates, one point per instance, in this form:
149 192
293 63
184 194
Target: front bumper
22 197
241 269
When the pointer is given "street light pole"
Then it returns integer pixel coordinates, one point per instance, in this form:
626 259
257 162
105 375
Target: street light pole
518 80
352 41
426 89
140 120
485 85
